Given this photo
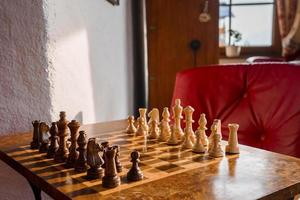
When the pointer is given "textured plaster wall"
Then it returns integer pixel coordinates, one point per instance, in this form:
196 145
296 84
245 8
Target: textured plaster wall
72 55
90 59
24 81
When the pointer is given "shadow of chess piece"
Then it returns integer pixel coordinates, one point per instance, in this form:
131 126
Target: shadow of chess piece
117 160
110 179
35 144
61 154
73 155
94 160
80 164
53 141
135 173
44 137
104 146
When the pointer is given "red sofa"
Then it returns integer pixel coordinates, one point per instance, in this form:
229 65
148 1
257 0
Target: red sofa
263 98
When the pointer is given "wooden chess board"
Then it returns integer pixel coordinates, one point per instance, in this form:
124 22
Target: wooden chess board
170 172
158 160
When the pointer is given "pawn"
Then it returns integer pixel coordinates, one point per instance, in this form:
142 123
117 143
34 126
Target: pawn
117 159
142 129
198 146
165 126
110 178
216 150
44 137
232 147
135 173
80 163
154 130
131 128
173 140
53 141
94 160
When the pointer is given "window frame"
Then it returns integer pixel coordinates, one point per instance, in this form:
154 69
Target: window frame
273 50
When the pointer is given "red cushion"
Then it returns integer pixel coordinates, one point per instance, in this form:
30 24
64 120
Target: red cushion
263 98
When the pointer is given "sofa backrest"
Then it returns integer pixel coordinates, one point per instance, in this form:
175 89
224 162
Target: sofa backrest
264 99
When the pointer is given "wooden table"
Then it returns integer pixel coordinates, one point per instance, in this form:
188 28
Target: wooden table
170 173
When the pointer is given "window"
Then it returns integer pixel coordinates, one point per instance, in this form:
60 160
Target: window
254 19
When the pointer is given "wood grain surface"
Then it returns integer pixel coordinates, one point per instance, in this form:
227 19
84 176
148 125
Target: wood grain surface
170 173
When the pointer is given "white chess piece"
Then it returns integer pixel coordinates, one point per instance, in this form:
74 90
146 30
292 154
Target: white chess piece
198 146
143 112
189 136
177 116
215 128
153 115
165 126
232 146
173 140
154 130
131 128
216 150
142 129
201 130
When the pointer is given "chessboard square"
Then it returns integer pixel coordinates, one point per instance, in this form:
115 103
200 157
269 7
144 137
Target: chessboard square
169 167
171 158
202 158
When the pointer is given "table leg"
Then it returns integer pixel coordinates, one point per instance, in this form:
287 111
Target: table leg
36 191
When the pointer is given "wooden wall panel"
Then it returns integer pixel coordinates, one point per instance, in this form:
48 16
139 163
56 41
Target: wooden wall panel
171 25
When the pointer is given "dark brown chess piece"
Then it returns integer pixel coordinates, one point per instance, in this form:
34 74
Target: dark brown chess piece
61 154
53 141
35 144
111 178
104 146
94 160
80 164
44 137
73 155
135 173
117 160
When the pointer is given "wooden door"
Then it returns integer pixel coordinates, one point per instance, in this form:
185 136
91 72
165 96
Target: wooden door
171 26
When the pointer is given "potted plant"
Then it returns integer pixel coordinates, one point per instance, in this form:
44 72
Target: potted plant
233 50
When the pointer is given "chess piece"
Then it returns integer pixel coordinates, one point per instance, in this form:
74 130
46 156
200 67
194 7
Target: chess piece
153 115
201 130
198 146
135 173
142 127
154 130
189 136
142 112
215 128
131 128
80 164
44 137
216 149
35 144
53 141
73 155
232 147
119 166
110 179
173 140
61 154
94 160
177 116
104 145
165 126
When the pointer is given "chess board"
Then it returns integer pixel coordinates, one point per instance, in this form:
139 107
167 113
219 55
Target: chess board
158 160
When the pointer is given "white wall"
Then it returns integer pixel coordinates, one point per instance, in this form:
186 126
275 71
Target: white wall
71 55
90 59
